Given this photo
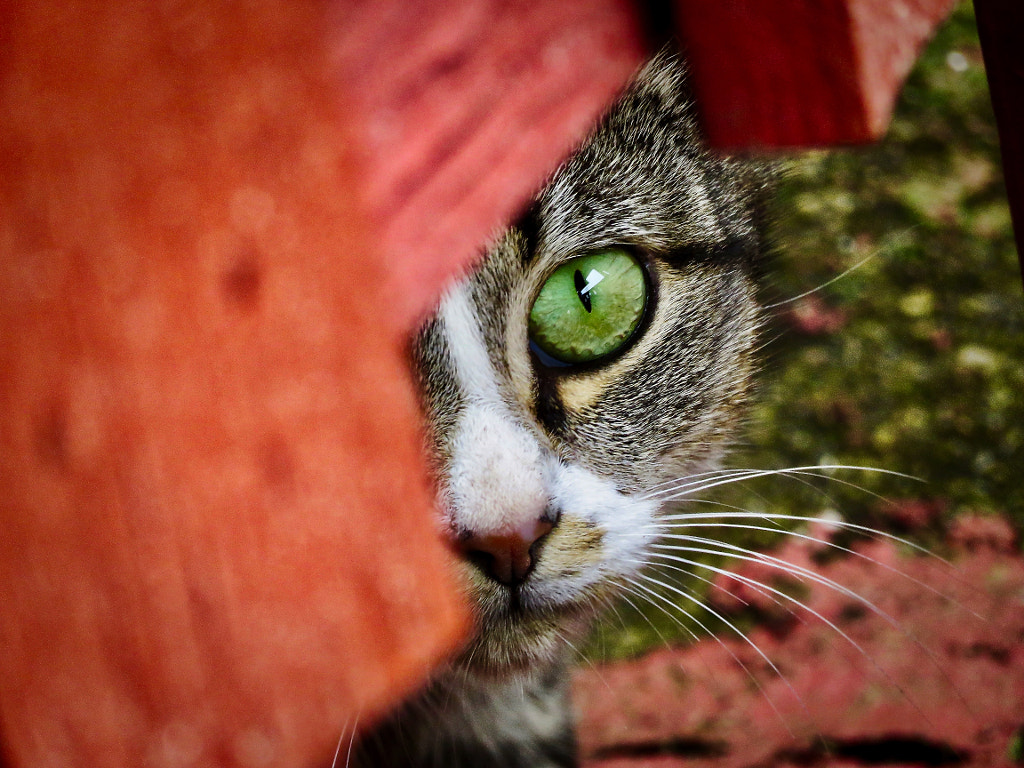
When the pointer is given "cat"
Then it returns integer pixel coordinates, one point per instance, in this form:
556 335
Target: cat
603 347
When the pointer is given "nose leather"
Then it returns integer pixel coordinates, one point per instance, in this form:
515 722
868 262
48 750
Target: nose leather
506 557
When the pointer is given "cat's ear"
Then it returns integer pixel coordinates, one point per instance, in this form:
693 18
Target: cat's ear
666 73
665 79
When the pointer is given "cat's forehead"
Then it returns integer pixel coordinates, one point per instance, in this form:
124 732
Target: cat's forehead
643 180
642 185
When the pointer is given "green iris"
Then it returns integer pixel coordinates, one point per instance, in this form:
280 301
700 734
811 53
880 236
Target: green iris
589 307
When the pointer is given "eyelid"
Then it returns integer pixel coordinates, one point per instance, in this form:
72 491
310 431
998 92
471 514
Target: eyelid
547 360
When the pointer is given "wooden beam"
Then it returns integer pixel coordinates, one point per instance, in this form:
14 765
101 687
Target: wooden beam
1001 29
801 73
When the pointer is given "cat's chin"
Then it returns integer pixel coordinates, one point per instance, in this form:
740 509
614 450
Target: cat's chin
513 641
500 659
527 628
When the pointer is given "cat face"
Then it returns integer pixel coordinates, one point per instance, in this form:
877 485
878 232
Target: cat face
548 429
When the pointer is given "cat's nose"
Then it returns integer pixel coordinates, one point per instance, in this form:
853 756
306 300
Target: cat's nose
508 557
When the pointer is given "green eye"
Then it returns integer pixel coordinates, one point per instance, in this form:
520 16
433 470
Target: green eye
589 307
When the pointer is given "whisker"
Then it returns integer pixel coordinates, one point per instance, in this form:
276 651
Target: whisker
351 741
654 627
626 591
677 484
694 599
799 478
795 570
747 488
693 635
695 479
686 488
337 749
688 516
681 519
581 656
820 471
798 571
746 604
691 477
749 555
833 545
903 234
611 605
824 285
757 586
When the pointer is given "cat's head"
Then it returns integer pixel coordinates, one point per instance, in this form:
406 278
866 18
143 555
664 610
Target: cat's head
603 347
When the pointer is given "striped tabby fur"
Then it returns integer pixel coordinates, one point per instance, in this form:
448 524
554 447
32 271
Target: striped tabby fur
514 440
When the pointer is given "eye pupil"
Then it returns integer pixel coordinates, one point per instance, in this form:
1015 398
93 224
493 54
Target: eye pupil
581 290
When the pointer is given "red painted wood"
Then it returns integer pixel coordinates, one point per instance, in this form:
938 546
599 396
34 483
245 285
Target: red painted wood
216 231
208 437
801 72
491 92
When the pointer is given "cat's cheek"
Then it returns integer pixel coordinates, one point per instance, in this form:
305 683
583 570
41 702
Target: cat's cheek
609 531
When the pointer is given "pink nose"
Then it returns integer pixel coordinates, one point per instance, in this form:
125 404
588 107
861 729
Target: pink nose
506 557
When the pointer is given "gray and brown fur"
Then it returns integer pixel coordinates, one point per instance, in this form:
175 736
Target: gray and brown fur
513 440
